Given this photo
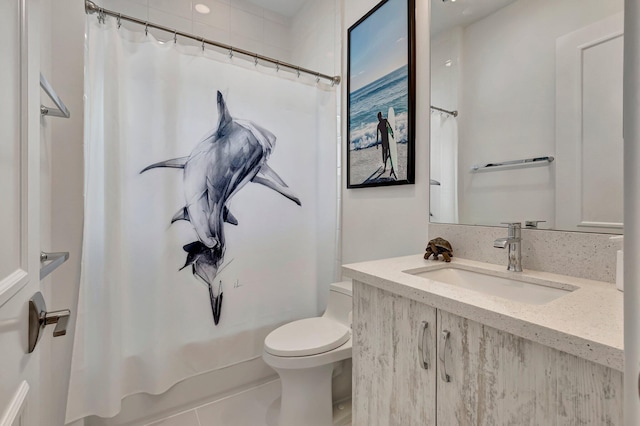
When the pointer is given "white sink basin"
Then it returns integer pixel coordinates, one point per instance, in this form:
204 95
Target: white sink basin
516 288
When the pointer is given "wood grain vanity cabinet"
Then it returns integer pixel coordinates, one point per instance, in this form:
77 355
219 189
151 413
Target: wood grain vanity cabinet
494 377
391 383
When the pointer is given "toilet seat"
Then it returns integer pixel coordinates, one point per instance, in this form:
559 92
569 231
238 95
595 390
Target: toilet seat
306 337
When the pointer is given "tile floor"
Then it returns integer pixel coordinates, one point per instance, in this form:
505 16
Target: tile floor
255 407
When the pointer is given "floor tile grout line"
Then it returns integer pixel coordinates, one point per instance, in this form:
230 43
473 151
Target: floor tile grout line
197 417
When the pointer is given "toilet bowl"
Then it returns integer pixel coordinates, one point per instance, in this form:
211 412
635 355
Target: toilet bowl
304 354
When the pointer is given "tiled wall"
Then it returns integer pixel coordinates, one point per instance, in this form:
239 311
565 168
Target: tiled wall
238 23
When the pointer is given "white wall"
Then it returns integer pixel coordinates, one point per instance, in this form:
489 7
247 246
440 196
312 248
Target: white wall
445 75
47 146
508 105
446 58
238 23
389 221
67 47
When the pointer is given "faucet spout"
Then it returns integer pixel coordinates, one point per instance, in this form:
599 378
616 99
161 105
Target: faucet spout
504 242
513 242
500 243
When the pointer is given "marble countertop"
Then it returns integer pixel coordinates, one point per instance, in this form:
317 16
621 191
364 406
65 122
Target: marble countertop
586 322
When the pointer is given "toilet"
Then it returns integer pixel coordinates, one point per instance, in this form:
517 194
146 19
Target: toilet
304 354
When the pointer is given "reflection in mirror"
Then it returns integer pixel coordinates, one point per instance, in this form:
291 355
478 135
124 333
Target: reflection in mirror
536 84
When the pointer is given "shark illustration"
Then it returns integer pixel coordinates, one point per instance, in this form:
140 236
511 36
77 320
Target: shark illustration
222 163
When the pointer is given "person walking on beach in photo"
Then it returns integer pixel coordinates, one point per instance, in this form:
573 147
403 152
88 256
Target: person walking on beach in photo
383 130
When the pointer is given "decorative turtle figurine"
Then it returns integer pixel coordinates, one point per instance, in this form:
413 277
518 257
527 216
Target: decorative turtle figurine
439 246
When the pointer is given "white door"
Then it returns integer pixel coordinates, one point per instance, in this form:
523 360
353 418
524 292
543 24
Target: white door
589 190
20 372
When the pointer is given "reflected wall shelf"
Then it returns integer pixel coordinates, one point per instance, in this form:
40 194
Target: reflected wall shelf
514 164
51 261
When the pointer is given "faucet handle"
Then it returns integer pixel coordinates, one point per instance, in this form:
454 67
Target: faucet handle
533 223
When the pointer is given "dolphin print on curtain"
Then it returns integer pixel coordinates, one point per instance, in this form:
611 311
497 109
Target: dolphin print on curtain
229 157
246 200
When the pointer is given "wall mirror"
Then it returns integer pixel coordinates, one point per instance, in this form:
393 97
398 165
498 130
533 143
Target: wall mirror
526 117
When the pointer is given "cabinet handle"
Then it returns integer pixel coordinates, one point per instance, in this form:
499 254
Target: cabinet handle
423 353
444 338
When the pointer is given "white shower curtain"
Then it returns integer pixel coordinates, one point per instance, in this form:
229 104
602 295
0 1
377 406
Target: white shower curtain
142 323
444 168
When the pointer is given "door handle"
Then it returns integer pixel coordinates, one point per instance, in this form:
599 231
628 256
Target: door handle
442 354
39 318
422 347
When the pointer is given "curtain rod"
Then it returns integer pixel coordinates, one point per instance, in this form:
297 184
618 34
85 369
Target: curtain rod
454 113
90 8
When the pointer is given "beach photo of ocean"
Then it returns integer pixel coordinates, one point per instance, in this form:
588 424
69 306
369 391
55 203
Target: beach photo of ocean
378 117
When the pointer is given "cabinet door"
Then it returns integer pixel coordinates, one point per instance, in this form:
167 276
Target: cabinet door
496 378
390 384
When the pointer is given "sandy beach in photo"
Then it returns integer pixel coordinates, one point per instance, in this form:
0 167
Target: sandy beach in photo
366 165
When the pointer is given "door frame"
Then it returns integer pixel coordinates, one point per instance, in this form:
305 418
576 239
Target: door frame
23 407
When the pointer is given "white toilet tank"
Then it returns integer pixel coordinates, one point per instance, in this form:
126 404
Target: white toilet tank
340 303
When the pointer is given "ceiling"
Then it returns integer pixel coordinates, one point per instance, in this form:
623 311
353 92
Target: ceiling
287 8
447 14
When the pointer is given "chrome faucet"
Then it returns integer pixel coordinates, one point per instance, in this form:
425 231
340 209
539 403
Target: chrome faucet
513 240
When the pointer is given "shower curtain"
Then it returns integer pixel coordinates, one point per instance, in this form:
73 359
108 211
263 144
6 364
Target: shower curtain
210 213
444 168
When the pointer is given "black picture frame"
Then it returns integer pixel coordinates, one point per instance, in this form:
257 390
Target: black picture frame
381 79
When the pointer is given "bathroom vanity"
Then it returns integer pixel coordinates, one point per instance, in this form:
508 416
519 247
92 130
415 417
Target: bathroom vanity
467 342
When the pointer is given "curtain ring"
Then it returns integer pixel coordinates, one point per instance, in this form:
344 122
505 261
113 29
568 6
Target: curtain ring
101 16
230 52
317 77
175 36
333 82
277 66
203 44
298 72
146 28
255 60
119 20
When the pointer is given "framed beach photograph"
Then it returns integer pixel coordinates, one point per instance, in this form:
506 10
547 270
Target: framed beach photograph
381 96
